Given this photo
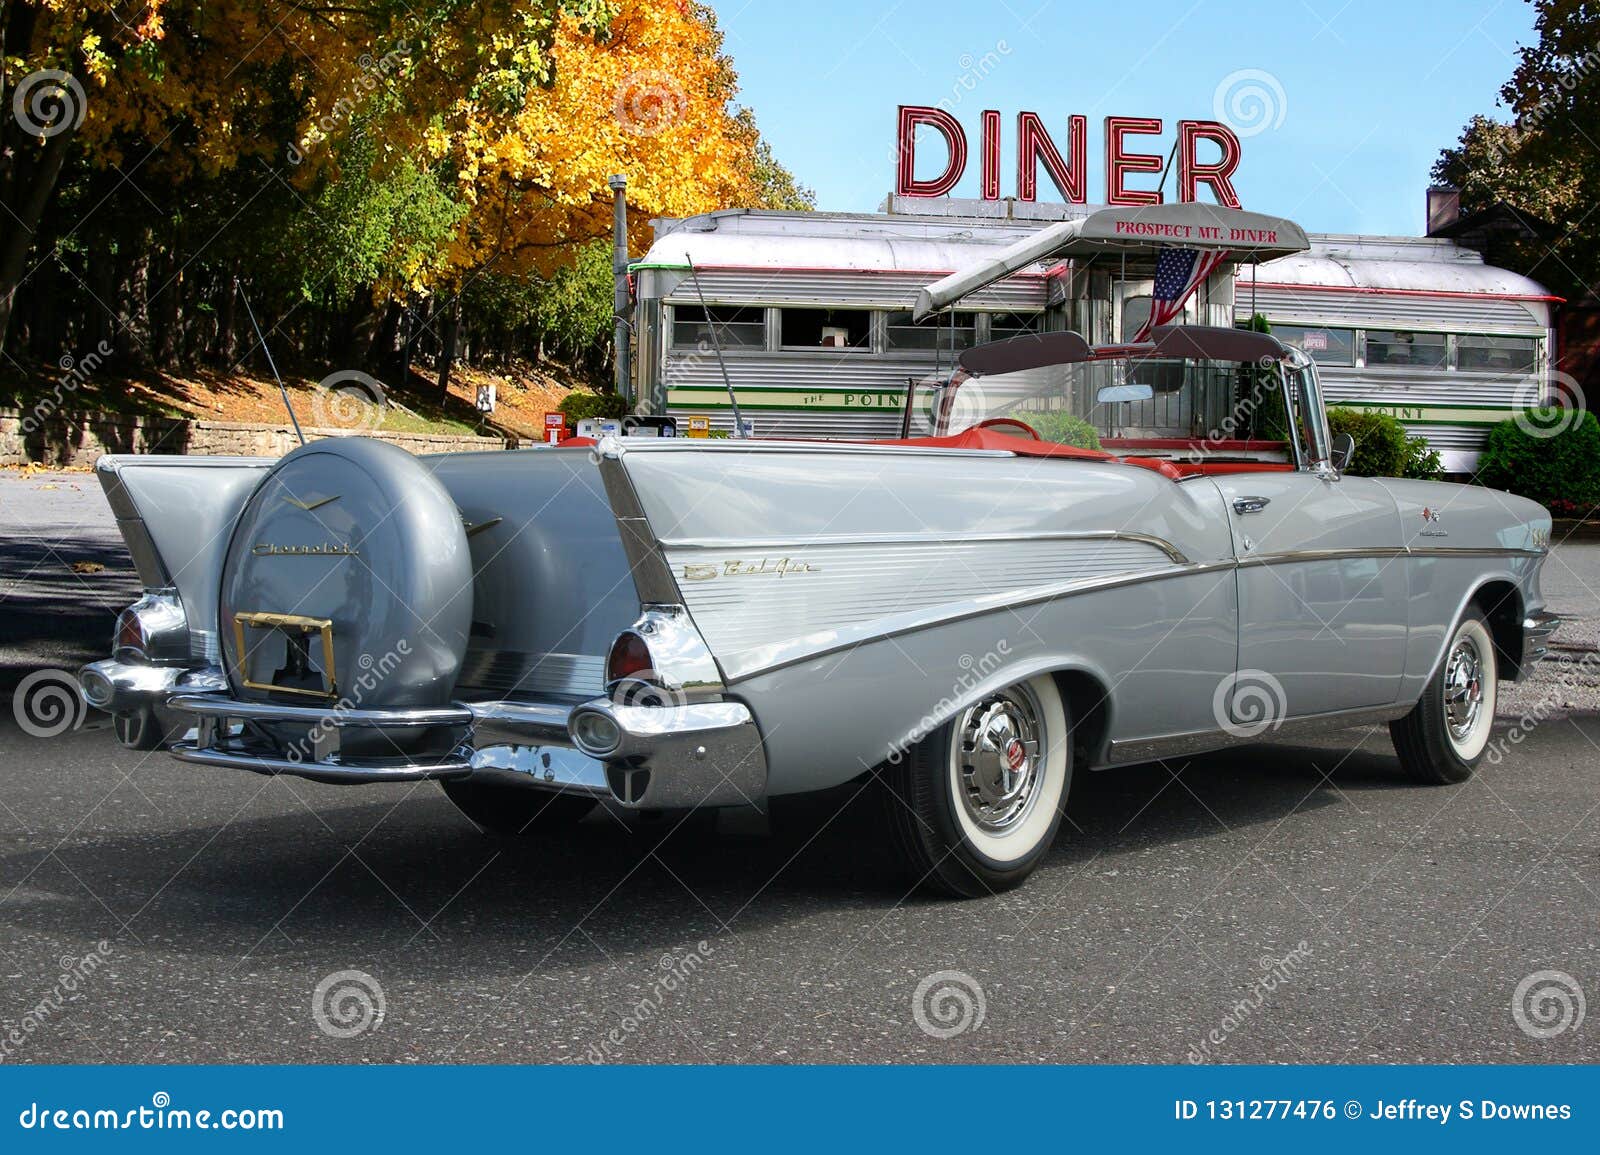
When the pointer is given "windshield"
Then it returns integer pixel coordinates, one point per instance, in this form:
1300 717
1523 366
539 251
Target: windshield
1150 403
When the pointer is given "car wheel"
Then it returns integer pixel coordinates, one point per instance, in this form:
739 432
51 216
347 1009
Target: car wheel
976 804
1443 738
516 809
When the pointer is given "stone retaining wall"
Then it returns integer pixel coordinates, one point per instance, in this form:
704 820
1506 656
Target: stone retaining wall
78 439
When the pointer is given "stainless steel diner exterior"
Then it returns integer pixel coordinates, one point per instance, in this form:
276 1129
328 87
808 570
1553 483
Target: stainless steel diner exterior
971 618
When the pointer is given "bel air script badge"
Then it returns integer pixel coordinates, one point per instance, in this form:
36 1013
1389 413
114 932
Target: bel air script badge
779 567
326 549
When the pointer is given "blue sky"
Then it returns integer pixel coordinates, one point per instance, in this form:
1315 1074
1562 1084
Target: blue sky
1361 94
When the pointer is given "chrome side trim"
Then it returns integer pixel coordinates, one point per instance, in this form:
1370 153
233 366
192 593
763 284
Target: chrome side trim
1476 551
1203 741
1289 557
786 654
730 543
684 444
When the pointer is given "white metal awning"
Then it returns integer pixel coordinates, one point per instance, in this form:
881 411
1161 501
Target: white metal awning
1122 230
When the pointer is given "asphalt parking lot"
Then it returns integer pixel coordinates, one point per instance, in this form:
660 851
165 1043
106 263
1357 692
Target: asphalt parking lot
1279 903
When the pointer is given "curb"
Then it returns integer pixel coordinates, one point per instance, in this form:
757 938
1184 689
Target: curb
1573 529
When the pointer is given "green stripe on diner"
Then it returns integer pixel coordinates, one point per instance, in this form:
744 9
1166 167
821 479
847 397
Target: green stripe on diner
872 400
1434 414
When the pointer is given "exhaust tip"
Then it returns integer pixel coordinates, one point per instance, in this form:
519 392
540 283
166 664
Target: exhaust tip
96 687
596 734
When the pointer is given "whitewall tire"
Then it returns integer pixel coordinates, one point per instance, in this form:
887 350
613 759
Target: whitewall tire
1443 739
976 804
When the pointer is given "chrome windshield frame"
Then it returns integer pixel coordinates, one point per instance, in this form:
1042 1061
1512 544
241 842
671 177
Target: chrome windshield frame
1312 442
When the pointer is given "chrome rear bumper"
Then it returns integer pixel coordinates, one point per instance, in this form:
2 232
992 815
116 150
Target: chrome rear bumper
698 754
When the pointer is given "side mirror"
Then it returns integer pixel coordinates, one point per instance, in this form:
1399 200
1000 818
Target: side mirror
1112 393
1344 448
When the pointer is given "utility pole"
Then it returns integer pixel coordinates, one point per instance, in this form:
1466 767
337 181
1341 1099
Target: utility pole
621 305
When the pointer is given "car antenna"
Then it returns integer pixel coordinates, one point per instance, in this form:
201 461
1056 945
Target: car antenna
293 420
716 345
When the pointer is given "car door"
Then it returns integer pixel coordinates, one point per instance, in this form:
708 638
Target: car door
1322 589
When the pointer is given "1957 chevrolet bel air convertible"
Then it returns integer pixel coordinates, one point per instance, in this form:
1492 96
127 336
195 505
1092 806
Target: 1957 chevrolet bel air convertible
970 617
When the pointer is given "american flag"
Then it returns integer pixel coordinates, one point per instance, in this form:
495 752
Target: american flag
1178 273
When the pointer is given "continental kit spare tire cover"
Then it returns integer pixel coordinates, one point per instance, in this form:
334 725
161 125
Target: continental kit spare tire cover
358 534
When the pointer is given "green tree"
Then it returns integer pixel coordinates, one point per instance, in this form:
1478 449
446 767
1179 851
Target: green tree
1545 163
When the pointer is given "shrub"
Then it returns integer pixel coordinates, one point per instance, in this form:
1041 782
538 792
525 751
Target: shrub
577 405
1061 426
1422 463
1382 447
1562 469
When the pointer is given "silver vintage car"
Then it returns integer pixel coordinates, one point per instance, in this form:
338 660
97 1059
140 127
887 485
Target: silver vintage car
969 617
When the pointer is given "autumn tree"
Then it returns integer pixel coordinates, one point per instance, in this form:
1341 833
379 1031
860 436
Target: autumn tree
369 168
190 87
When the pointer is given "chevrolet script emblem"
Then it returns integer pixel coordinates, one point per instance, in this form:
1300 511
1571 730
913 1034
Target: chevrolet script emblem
326 549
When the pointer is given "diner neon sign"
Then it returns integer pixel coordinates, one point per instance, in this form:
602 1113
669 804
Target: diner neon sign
1067 165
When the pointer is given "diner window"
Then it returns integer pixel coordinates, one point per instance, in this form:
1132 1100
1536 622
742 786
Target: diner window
1324 346
825 328
1406 350
737 326
1004 325
1513 356
945 333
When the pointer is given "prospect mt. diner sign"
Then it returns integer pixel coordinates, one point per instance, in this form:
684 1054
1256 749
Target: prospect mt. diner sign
1068 168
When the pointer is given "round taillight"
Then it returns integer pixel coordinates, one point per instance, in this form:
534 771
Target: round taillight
629 657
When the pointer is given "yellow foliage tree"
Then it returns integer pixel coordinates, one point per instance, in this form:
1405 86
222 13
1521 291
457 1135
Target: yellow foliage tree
649 99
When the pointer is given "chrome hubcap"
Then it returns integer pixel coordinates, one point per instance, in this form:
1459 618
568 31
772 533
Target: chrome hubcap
1000 758
1463 689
